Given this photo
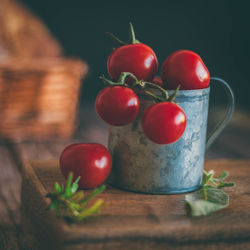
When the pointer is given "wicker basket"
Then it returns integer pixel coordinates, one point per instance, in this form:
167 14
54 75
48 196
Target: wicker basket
39 97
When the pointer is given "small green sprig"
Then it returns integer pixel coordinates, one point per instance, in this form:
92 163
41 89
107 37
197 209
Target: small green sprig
209 198
216 182
71 204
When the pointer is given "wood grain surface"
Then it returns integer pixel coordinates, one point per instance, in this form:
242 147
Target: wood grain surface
233 143
11 157
10 186
138 220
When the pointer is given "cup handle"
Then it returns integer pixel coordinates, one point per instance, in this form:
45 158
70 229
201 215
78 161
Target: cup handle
212 135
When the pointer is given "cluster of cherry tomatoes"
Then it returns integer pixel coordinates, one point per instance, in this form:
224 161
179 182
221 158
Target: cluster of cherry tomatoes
165 121
133 68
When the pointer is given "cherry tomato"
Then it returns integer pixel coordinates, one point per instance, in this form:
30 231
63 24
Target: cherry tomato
184 68
92 162
164 122
117 105
157 80
138 59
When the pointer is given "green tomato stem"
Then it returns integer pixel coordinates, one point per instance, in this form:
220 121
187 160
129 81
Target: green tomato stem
172 97
152 85
157 98
109 82
132 39
124 75
116 39
142 85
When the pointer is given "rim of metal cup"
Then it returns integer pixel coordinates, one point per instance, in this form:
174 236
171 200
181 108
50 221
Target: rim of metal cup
191 92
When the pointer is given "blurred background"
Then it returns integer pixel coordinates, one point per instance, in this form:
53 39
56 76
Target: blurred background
216 30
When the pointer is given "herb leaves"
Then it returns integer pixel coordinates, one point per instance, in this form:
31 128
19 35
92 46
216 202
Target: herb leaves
210 197
68 203
71 204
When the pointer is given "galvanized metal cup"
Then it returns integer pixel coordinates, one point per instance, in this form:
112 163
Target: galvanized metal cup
142 166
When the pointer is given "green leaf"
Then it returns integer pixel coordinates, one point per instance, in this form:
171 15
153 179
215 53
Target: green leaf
68 203
74 186
77 197
93 194
223 175
52 205
207 179
94 209
58 188
226 184
68 185
206 201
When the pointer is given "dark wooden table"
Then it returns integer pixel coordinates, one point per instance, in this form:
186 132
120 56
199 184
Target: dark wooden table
234 143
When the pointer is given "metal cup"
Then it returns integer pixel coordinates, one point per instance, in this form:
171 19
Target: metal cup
142 166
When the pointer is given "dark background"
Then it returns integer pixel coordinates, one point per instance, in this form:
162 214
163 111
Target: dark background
217 30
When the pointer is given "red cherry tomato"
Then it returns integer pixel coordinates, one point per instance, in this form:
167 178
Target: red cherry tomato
117 105
157 80
184 68
138 59
164 122
92 162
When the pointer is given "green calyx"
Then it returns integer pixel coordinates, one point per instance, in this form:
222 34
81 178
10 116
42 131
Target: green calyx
132 39
150 89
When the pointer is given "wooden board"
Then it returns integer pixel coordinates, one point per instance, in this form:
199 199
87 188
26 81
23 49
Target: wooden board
138 221
10 186
11 155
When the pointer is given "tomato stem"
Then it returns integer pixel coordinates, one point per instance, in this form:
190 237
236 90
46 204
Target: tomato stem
172 97
143 85
132 39
116 39
109 82
154 96
124 75
163 91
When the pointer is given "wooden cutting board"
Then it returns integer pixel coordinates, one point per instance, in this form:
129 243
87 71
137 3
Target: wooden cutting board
137 221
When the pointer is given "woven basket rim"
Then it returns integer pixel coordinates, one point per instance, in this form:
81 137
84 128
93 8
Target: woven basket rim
45 64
